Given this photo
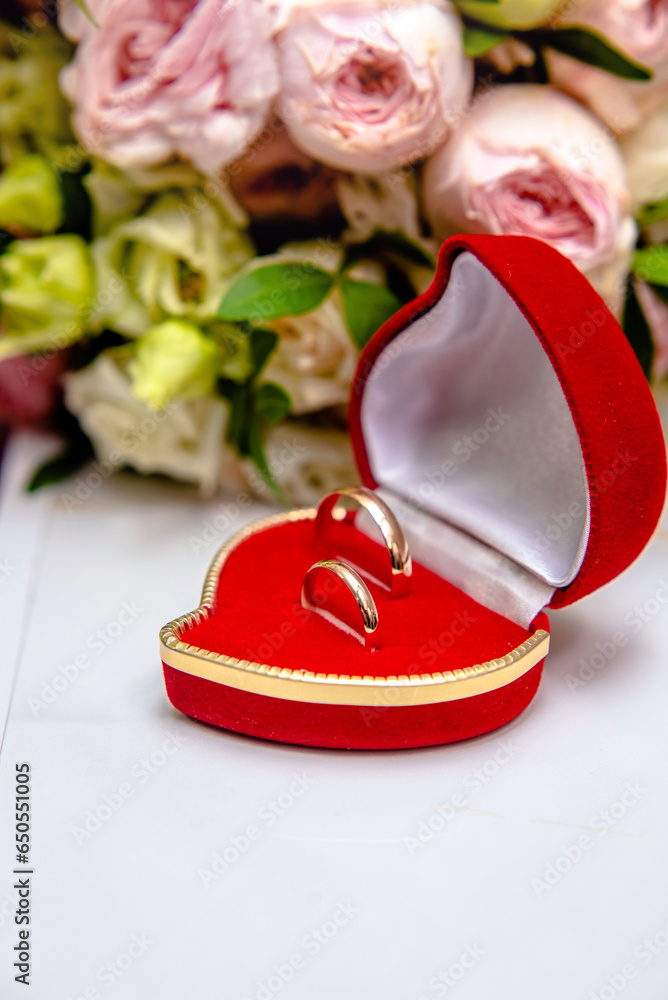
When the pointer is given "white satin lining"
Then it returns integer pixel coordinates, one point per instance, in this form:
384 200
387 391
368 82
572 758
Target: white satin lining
464 420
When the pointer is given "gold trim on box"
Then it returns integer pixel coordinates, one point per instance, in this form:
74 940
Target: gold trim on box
332 689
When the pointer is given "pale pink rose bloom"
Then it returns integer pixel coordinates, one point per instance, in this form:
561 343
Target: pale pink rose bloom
639 29
530 161
367 86
165 77
656 314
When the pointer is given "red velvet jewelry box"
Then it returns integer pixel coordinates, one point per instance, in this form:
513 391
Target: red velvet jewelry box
504 419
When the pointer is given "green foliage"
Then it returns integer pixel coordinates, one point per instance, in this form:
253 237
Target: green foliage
480 39
254 406
276 290
77 451
366 308
589 47
653 213
651 264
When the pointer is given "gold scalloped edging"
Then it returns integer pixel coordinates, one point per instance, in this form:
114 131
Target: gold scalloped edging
332 689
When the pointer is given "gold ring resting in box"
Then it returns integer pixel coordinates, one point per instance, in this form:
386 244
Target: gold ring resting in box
315 600
331 509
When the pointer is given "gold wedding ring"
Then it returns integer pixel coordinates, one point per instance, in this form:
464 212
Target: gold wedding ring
332 509
315 598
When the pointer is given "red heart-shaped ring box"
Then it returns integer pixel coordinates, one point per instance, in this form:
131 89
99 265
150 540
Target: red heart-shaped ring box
504 418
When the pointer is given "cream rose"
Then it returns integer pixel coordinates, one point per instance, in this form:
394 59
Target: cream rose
639 29
646 155
315 358
184 441
530 161
368 86
306 462
195 78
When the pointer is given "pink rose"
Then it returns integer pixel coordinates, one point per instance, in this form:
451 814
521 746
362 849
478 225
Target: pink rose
369 86
165 77
529 160
639 29
274 179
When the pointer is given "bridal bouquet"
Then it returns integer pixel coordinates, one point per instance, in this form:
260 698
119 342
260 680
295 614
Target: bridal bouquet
208 207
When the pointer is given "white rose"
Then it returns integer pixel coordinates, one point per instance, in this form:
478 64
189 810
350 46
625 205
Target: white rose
315 358
307 462
646 155
386 201
185 441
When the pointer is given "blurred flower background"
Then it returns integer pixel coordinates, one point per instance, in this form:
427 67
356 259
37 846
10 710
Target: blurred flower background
208 207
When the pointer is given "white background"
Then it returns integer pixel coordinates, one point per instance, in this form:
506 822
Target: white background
477 886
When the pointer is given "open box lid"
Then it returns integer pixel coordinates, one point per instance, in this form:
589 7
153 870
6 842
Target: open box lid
506 402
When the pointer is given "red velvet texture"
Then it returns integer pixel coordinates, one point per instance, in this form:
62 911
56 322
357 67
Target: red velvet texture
611 403
348 727
259 616
435 627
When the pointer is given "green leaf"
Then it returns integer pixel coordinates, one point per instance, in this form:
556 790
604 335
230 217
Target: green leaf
75 455
276 290
256 447
590 47
240 398
366 308
653 213
262 343
272 403
479 40
637 330
651 264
